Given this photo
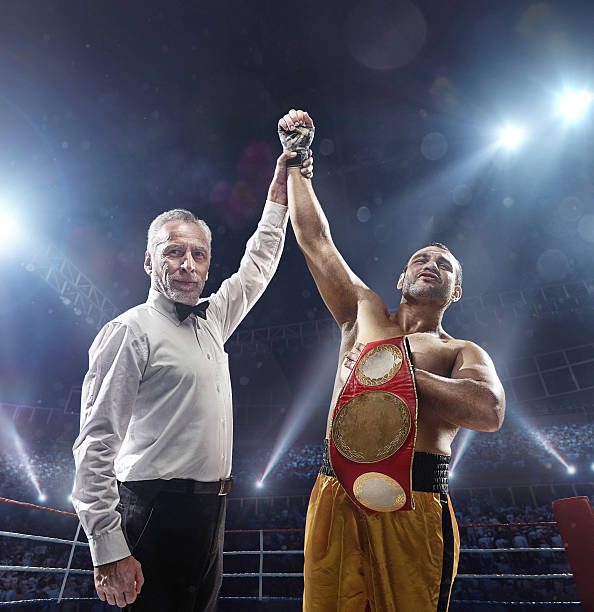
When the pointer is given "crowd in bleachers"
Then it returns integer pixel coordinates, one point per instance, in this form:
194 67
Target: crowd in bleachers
527 450
31 553
515 453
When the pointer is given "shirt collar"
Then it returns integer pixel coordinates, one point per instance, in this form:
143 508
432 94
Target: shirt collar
163 304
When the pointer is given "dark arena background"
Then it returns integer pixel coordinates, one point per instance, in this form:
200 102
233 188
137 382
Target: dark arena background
468 123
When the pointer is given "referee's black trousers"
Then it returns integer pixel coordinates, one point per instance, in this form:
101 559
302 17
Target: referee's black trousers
178 540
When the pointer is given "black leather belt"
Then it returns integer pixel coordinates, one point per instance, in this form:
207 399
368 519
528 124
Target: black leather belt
194 487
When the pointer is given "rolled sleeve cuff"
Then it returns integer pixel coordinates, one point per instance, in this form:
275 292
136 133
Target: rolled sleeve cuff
108 547
275 214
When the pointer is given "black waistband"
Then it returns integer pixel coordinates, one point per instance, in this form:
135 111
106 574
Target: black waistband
429 473
180 485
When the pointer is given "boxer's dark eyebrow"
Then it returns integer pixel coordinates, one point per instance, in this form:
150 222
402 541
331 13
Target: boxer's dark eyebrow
446 261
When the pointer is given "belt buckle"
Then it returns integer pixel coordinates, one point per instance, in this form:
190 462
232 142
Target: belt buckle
225 485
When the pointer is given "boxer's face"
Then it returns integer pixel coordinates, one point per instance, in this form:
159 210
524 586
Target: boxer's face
179 265
431 274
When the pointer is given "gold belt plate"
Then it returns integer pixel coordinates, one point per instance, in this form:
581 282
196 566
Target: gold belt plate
379 492
371 426
379 365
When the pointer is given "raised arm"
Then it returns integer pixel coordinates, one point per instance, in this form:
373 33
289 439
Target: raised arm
238 293
340 288
472 398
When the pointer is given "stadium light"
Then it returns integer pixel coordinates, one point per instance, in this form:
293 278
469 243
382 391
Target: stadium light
42 497
511 136
572 104
461 446
571 469
259 484
8 228
592 466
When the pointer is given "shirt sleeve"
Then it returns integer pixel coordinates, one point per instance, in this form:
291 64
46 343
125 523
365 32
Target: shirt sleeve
116 362
241 291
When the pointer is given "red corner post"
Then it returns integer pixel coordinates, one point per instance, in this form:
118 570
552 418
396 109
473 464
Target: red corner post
575 519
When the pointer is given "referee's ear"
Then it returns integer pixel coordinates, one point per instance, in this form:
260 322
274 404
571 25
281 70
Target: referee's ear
148 263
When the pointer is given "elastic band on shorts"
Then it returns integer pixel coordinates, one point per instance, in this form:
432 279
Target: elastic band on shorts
430 471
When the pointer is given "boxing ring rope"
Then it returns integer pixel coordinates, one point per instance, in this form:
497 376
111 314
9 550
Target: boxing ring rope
261 552
73 544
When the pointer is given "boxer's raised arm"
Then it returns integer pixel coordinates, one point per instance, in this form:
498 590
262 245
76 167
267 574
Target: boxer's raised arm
341 289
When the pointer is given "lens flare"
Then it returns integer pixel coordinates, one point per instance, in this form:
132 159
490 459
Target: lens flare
26 462
511 136
317 384
545 444
573 104
463 441
8 228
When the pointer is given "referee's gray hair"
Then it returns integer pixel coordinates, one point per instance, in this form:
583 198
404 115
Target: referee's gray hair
177 214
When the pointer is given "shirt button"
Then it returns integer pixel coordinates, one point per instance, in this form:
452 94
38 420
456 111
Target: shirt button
208 356
218 388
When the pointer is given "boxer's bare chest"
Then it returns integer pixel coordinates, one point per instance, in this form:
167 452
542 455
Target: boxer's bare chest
429 351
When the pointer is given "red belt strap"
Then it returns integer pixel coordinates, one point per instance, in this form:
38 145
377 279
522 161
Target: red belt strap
374 428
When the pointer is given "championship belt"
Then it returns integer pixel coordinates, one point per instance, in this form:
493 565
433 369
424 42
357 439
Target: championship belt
374 428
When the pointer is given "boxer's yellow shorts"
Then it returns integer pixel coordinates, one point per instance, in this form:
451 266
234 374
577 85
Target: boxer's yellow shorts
382 562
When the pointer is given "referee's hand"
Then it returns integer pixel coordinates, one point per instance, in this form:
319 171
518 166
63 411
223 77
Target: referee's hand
119 582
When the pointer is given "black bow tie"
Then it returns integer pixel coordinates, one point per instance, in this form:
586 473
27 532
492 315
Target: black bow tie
184 311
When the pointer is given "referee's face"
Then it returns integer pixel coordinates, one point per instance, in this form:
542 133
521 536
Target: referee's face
179 266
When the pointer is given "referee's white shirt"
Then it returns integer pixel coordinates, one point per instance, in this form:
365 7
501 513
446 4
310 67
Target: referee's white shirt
156 401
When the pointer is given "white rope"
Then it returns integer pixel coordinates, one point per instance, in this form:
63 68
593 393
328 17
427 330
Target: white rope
266 552
475 576
515 576
51 570
57 570
25 536
33 602
491 550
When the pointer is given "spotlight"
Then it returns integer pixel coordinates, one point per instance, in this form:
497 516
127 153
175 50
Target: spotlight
8 228
42 497
259 484
571 469
592 466
511 136
572 104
